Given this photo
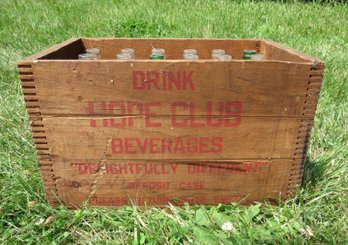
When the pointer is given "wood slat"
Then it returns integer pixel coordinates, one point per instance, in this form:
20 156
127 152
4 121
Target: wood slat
92 88
163 181
255 137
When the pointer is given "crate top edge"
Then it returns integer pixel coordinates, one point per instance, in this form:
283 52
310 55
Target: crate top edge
307 58
174 61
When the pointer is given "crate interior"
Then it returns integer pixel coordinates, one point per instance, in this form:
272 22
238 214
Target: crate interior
109 47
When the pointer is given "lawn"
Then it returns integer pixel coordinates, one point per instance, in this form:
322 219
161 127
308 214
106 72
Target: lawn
318 214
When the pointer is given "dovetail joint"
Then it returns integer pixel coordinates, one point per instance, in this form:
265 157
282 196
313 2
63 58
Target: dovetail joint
38 130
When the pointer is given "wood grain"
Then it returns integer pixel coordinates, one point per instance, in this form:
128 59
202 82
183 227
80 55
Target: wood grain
110 183
239 130
264 88
254 138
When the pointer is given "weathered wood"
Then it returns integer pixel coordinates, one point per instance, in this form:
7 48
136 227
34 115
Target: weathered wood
111 183
276 51
254 138
82 88
39 137
65 50
309 108
111 132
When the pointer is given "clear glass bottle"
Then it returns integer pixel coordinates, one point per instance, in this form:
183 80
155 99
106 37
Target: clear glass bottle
225 57
86 56
129 51
190 56
157 54
257 57
190 51
216 53
94 51
247 53
124 56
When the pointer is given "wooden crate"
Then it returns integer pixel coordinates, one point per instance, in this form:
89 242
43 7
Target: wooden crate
108 132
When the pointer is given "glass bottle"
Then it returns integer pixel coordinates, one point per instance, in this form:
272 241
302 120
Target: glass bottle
247 53
190 56
129 51
124 56
190 51
95 52
217 52
86 56
225 57
157 54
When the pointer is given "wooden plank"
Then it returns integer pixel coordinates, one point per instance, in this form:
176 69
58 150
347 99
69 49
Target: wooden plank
107 87
249 138
115 183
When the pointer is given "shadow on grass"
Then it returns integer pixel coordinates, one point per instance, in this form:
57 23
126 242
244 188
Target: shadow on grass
313 172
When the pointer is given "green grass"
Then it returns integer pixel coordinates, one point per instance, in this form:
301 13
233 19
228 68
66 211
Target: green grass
321 206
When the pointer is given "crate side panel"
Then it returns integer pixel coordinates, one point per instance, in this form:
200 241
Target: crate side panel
256 112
